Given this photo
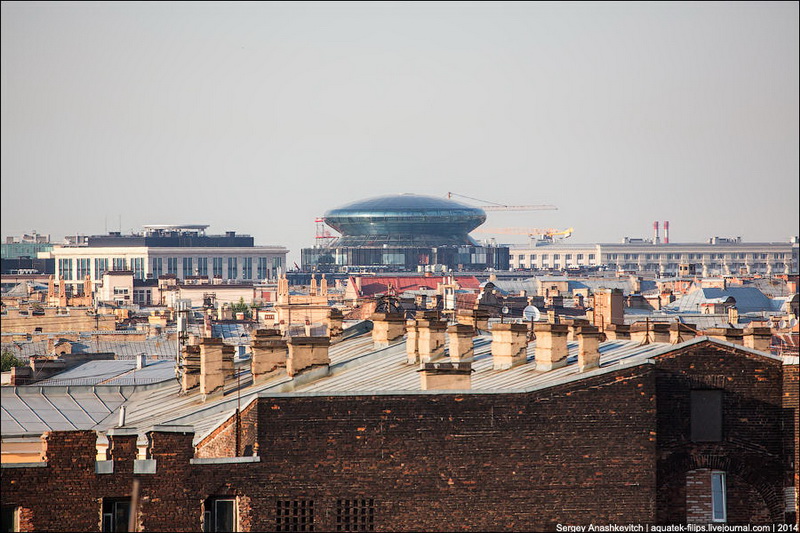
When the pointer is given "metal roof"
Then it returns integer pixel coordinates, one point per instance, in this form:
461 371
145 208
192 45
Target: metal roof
748 300
356 368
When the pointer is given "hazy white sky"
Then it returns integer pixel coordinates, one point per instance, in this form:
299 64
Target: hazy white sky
259 117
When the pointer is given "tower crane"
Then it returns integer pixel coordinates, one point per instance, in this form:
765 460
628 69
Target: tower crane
503 207
548 233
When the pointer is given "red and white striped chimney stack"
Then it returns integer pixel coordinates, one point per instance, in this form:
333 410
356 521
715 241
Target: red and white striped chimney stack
655 232
666 232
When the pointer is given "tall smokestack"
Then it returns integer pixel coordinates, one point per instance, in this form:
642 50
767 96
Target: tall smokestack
655 232
666 232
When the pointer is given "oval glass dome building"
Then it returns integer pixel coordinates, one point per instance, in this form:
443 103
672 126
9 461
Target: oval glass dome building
404 232
405 220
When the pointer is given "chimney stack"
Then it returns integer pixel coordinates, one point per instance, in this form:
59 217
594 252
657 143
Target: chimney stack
387 327
588 347
655 232
211 377
551 346
270 352
462 348
666 232
758 338
307 352
446 376
509 345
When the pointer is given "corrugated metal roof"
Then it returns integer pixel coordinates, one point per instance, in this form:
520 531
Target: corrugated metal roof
748 300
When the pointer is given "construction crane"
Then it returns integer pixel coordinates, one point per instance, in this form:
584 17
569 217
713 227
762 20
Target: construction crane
502 207
530 232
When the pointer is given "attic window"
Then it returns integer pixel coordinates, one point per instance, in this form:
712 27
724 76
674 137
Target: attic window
706 415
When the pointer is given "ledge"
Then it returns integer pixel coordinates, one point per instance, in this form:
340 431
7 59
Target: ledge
144 466
41 464
224 460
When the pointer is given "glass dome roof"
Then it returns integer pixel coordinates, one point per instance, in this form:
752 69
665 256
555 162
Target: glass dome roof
407 218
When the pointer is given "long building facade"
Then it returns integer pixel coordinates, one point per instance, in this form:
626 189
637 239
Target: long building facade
713 258
182 251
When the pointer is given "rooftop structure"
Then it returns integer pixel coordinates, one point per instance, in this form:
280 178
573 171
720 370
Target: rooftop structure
401 233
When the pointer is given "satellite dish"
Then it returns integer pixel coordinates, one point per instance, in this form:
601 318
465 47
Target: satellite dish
782 324
505 309
792 322
531 313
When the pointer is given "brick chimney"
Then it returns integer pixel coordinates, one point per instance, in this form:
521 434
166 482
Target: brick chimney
477 318
733 335
270 352
654 332
681 332
588 347
212 379
228 370
574 324
191 367
618 332
758 338
551 346
122 448
387 327
307 352
335 321
509 345
430 339
446 376
462 347
608 307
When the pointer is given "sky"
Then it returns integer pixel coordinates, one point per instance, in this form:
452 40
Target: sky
259 117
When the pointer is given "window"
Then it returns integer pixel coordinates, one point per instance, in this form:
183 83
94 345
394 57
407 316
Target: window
718 503
544 257
706 415
65 268
568 256
294 515
158 267
233 269
591 256
220 515
172 265
187 267
115 514
533 258
100 267
83 267
202 266
9 520
355 515
556 256
217 266
138 267
247 268
580 257
119 263
262 268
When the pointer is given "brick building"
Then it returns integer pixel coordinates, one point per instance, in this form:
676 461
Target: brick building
615 432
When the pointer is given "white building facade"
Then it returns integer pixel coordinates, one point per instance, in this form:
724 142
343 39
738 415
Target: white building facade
718 257
182 251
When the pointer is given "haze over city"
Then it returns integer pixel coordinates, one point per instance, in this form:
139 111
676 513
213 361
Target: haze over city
260 117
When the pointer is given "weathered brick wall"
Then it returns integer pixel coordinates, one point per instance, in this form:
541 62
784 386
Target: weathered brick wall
752 449
576 453
791 433
222 441
429 462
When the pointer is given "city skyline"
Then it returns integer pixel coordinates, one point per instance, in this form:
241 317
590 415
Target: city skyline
258 118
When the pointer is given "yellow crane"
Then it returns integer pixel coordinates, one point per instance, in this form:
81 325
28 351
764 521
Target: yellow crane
530 232
502 207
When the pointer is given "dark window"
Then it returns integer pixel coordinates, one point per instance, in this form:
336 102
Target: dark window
220 515
355 515
9 519
115 514
294 515
706 415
